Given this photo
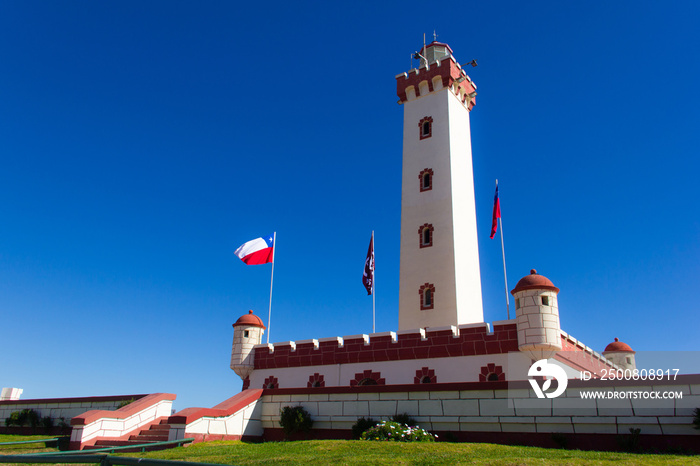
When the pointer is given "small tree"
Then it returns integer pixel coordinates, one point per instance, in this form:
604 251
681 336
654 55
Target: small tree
295 419
696 418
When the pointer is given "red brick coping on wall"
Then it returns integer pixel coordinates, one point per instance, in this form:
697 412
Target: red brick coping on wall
440 342
123 412
85 399
437 342
225 408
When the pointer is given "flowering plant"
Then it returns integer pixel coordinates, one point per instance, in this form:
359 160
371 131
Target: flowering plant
393 431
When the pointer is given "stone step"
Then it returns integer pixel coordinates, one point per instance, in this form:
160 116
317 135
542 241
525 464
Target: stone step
160 427
150 437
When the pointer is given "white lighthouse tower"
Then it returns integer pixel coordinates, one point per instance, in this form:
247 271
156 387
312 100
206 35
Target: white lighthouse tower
440 281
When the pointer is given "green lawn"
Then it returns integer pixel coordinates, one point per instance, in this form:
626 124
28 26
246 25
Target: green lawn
341 452
25 448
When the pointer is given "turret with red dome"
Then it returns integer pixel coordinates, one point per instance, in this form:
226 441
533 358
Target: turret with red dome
247 332
537 316
621 354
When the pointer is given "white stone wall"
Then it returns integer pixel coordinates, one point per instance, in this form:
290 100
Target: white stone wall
242 352
466 243
452 262
113 427
493 411
56 410
246 421
453 369
620 358
539 333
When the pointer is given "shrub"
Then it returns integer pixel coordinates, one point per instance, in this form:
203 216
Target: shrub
696 418
23 418
395 432
404 419
125 403
295 419
630 443
362 425
560 439
46 422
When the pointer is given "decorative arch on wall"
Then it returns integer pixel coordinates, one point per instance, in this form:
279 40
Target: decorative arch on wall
367 378
271 382
492 373
315 381
425 375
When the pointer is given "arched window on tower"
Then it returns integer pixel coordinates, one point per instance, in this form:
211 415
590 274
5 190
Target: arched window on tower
426 127
425 233
426 179
427 296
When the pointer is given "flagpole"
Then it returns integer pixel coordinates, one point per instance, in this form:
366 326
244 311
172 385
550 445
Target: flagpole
503 251
374 278
272 275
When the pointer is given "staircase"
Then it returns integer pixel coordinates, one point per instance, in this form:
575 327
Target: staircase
154 434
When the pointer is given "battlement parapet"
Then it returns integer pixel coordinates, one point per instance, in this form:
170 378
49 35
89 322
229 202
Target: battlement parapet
578 354
432 342
443 73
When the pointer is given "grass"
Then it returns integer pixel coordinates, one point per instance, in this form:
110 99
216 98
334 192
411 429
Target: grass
26 448
349 452
354 452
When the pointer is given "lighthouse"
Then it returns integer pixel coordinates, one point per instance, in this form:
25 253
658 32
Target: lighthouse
440 280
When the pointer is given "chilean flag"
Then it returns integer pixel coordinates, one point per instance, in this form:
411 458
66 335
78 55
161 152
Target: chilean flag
257 251
496 213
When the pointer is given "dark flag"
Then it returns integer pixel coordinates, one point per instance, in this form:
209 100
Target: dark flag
496 213
368 274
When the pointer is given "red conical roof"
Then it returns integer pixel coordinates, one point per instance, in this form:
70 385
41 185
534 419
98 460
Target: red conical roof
534 282
249 320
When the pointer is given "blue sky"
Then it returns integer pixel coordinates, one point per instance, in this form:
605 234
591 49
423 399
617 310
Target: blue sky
142 142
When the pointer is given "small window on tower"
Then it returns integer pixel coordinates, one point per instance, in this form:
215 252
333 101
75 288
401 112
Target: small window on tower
425 234
246 333
426 127
427 296
629 360
426 179
545 300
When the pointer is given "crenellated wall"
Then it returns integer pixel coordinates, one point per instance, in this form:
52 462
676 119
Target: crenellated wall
467 353
444 73
436 342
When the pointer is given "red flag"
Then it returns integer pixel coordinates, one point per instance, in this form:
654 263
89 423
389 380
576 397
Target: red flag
368 274
496 214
